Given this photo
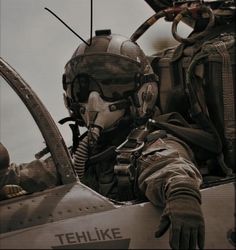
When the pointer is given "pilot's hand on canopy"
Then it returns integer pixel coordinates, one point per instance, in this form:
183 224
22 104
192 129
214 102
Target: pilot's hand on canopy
11 190
183 215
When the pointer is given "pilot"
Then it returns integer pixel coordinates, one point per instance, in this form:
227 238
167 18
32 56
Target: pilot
125 154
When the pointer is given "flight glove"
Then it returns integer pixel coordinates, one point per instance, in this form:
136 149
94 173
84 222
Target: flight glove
184 216
10 191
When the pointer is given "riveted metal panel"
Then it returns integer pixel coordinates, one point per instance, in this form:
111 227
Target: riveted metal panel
56 204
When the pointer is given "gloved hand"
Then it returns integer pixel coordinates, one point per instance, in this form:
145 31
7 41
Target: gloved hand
184 216
10 191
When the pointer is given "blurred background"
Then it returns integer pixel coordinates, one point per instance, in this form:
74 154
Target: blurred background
38 46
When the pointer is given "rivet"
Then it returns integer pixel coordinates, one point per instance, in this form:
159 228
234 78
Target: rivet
113 107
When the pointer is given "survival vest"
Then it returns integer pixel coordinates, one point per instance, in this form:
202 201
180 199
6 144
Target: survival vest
198 81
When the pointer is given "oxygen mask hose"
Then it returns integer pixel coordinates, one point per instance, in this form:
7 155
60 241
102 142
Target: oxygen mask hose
85 146
168 13
191 11
146 25
175 14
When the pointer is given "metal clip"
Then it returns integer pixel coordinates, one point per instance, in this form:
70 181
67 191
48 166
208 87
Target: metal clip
120 150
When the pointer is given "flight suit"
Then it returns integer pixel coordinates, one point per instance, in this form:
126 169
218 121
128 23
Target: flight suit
164 174
164 165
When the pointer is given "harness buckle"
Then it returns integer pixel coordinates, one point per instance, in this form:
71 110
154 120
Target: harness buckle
119 149
124 170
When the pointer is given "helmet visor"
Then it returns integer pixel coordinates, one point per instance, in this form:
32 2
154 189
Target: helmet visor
113 76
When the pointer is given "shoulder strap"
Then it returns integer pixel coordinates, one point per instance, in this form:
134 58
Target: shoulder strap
228 90
175 124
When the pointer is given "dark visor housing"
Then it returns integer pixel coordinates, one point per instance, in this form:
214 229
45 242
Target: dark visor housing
111 75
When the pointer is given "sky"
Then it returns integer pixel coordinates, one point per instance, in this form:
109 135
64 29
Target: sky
38 46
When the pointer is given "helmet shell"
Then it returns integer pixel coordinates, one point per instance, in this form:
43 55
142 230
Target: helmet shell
105 43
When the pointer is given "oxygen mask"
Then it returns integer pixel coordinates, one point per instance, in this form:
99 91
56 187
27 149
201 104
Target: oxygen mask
98 113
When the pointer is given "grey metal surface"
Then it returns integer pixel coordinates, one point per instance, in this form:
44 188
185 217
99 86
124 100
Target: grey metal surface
52 205
134 224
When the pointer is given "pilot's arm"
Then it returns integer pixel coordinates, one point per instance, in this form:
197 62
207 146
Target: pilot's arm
169 179
27 178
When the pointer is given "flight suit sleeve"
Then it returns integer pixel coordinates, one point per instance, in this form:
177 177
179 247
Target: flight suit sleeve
166 167
32 177
38 175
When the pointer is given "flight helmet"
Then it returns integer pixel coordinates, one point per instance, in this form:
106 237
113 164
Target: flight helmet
108 80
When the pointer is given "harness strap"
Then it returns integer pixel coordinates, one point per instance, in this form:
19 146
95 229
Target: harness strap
197 111
228 91
177 65
127 154
194 136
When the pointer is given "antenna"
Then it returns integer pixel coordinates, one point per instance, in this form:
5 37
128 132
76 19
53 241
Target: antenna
91 24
